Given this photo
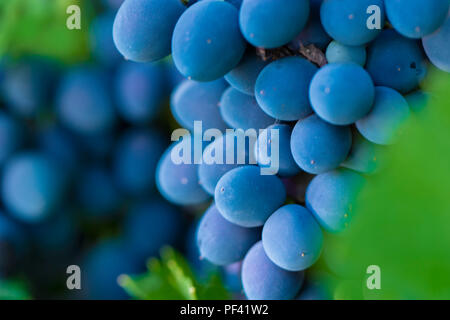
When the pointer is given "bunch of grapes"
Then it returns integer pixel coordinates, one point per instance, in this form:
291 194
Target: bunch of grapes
337 89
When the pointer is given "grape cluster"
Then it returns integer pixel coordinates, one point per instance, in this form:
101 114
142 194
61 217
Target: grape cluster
337 89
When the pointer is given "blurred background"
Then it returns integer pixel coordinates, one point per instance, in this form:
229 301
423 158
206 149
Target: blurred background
86 128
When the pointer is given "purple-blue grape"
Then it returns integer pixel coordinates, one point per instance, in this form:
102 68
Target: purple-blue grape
416 18
207 42
292 238
135 159
210 172
346 20
338 53
264 280
272 23
313 33
318 146
282 88
198 101
383 124
331 197
141 90
83 103
240 110
341 93
247 198
437 48
221 241
243 77
143 29
396 62
286 163
179 183
32 186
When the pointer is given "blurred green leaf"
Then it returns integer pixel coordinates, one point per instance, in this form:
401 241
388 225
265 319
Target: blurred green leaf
39 27
13 290
403 220
171 278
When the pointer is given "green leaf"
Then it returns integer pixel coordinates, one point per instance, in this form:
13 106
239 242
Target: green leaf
403 220
171 278
38 27
13 290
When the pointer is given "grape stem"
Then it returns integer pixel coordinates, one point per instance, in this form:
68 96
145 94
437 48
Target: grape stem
309 52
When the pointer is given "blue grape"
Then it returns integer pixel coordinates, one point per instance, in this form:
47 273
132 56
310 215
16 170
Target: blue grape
198 101
396 62
83 102
32 186
341 93
331 197
179 183
101 41
286 163
141 90
240 110
247 198
149 226
221 241
210 173
102 266
263 280
27 85
346 20
437 48
135 159
416 18
313 33
206 42
389 113
143 29
364 156
243 77
337 52
97 192
12 245
272 23
318 146
418 100
292 239
282 88
11 136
